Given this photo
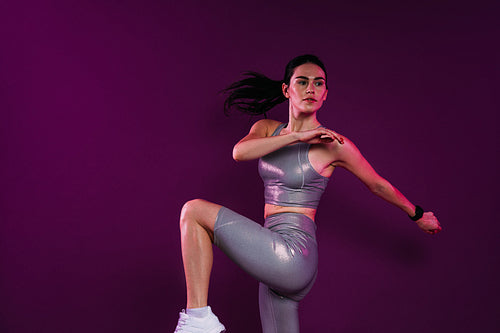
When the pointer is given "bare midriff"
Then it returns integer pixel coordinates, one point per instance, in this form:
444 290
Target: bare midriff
273 209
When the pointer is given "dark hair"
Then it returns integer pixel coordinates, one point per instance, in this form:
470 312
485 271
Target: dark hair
256 94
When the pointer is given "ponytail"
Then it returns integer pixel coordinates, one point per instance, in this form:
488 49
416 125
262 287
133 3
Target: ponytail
254 95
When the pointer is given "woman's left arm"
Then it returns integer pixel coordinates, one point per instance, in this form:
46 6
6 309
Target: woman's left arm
349 157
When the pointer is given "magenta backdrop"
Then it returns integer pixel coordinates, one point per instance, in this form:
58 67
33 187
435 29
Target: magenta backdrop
111 119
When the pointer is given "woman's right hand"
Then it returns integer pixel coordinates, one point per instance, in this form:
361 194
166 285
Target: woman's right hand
319 135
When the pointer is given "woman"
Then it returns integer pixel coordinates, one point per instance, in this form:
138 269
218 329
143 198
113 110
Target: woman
296 161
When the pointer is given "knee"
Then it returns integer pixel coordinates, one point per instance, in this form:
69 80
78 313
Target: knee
188 211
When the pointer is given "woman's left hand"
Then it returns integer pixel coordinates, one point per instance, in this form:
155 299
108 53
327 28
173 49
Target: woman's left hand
429 223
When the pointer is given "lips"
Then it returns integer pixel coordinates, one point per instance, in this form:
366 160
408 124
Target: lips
309 100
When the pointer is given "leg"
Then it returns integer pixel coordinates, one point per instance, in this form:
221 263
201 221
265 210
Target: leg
197 234
282 256
278 314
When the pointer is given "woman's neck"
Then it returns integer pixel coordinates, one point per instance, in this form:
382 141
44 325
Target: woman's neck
302 122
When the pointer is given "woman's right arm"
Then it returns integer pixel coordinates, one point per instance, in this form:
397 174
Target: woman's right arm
259 141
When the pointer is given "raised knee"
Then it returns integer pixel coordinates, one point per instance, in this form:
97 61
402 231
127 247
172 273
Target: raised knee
188 210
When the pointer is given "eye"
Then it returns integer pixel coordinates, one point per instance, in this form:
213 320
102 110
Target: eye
302 82
319 83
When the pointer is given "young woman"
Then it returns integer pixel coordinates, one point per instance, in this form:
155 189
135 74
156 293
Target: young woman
296 161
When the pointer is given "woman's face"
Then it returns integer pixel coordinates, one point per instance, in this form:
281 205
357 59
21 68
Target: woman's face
307 90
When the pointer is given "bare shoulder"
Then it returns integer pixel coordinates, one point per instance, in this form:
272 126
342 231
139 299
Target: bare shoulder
265 127
340 152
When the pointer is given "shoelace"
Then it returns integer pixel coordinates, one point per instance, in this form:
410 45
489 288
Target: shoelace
182 321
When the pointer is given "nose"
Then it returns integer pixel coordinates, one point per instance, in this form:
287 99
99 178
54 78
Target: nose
310 88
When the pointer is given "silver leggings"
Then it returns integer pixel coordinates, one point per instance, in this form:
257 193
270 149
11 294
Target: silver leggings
282 255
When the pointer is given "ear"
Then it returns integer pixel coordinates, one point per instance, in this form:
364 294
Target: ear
284 88
326 93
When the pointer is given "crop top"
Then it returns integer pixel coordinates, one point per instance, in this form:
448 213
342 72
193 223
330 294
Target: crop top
289 178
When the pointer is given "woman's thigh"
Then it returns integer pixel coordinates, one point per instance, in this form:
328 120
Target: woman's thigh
269 256
278 314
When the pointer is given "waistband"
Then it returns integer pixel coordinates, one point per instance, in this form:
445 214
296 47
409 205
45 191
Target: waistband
291 221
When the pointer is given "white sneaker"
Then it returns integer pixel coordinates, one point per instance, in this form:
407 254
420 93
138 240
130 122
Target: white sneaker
190 324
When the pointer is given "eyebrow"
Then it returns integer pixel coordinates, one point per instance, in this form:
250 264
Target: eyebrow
316 78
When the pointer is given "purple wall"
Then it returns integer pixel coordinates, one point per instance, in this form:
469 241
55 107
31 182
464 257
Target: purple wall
110 119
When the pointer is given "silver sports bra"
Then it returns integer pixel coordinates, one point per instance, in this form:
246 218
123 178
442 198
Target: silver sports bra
289 178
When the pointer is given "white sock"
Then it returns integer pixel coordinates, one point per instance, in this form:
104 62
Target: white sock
198 312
